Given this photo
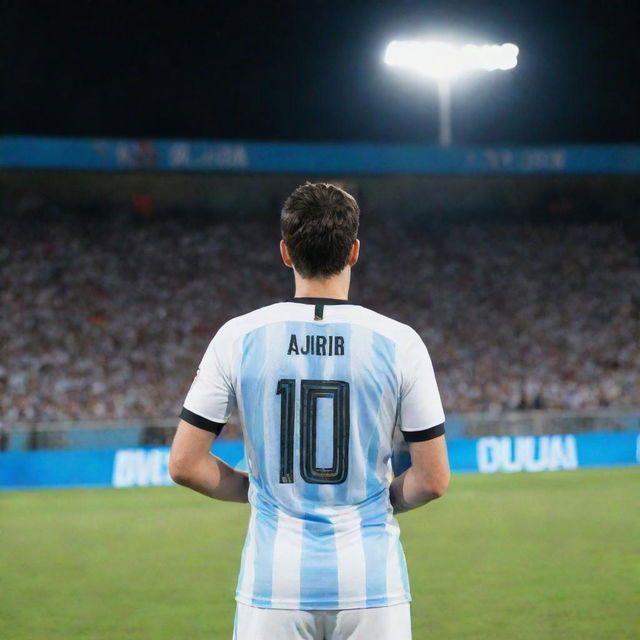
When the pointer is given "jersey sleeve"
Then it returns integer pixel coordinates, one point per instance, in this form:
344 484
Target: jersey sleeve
211 398
421 416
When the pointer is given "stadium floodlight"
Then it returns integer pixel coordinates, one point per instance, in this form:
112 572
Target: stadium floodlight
444 62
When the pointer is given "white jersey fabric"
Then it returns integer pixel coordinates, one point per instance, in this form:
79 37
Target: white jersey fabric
320 386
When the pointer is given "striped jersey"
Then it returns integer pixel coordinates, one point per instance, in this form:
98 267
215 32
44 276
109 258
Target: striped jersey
320 385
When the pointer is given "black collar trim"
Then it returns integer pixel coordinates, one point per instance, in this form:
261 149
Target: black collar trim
319 301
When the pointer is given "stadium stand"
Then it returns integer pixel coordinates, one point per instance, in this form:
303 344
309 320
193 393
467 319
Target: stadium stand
115 311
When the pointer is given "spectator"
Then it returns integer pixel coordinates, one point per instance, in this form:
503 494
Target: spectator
103 319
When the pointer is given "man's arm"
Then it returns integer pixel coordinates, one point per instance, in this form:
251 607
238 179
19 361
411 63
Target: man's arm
426 479
192 465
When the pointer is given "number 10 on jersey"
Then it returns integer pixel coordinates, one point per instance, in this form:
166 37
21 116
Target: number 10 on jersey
310 392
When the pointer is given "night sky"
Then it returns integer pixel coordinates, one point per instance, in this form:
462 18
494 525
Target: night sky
312 70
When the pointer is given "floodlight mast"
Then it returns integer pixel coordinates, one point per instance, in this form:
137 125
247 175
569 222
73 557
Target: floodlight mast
444 62
445 134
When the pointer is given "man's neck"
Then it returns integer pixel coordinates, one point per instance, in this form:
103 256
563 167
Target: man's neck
336 287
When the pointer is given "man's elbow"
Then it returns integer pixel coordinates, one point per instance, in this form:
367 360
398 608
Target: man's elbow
436 487
439 489
179 469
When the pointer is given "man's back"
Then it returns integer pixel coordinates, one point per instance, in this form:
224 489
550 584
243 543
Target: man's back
320 386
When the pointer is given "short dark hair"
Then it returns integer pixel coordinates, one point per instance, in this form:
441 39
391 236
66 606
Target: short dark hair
319 224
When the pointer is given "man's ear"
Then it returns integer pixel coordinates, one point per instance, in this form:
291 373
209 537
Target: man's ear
355 253
284 254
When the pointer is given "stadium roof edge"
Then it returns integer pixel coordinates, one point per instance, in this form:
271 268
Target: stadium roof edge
125 154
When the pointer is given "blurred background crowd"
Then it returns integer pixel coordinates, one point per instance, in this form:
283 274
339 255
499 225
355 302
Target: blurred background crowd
106 316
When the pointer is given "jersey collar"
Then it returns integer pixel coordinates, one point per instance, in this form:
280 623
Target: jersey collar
319 301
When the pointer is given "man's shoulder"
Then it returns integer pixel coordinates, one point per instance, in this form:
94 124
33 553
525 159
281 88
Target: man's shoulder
354 314
385 325
247 322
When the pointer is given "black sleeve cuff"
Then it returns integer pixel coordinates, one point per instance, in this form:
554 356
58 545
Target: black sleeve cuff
200 422
424 434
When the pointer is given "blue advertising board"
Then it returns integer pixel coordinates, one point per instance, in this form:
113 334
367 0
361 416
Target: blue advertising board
17 152
141 467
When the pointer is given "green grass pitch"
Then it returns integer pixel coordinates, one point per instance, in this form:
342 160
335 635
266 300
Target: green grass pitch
524 556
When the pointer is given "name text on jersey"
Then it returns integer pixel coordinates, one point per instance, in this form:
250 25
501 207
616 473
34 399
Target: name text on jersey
316 345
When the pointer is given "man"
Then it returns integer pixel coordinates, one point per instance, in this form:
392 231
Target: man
320 384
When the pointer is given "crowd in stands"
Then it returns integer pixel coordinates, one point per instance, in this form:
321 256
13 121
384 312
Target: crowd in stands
101 317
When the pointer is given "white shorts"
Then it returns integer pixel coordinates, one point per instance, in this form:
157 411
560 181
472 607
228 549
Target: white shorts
376 623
